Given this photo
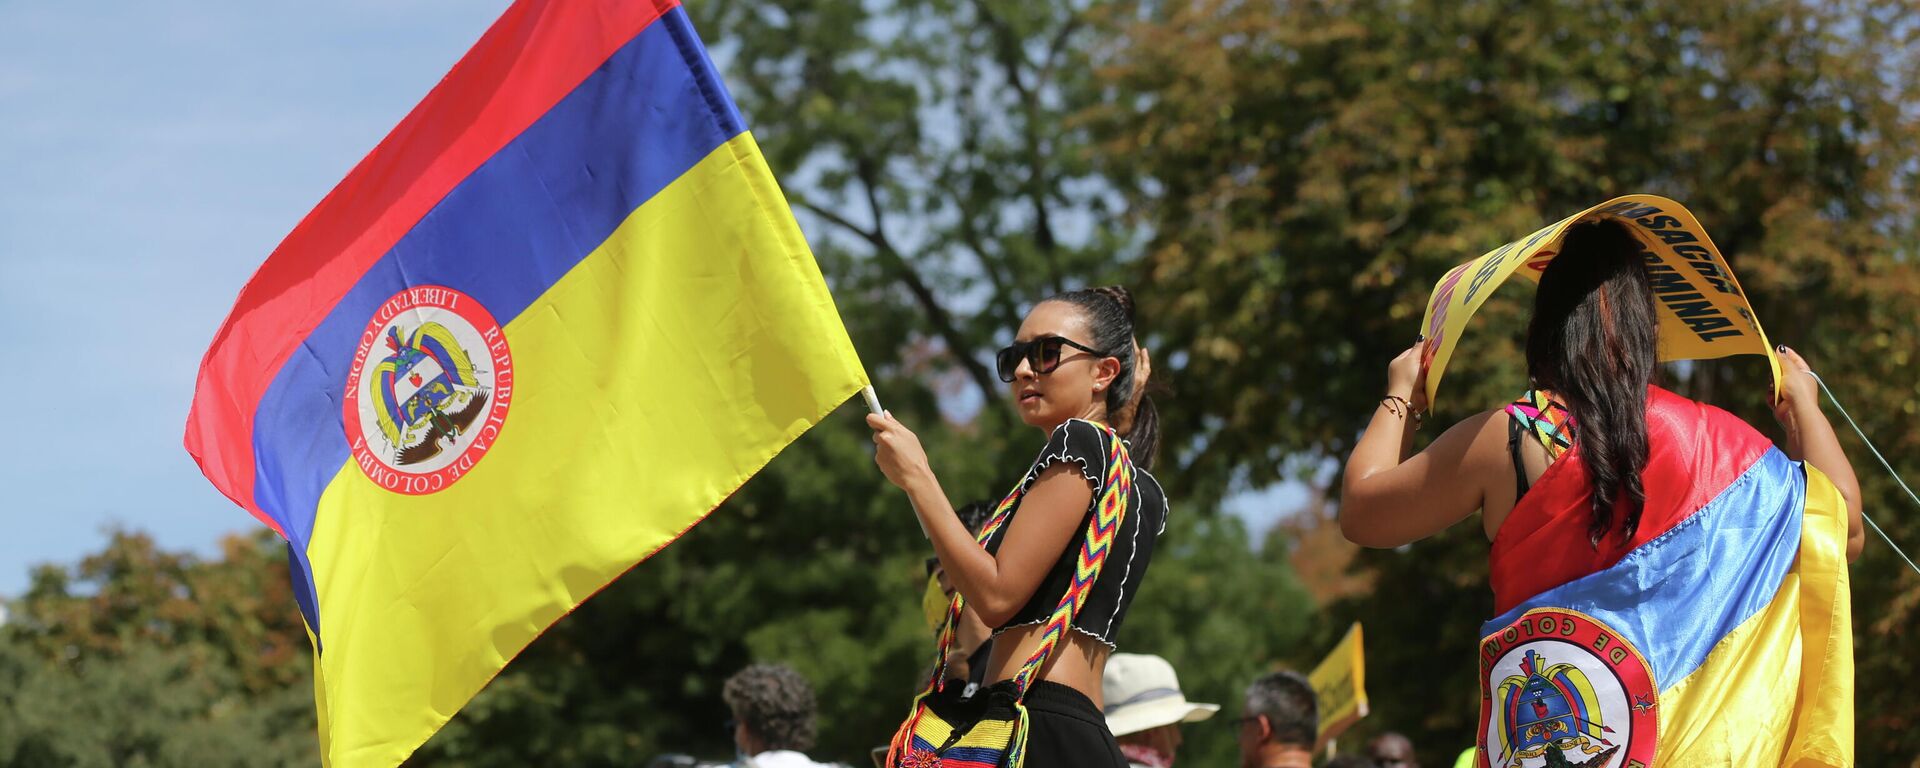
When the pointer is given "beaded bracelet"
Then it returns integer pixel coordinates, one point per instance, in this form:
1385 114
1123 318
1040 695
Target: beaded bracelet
1399 406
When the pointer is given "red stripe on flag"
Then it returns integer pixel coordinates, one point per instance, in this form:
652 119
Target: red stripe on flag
536 53
1694 452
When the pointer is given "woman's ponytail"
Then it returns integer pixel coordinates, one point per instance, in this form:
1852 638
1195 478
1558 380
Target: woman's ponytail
1593 343
1109 312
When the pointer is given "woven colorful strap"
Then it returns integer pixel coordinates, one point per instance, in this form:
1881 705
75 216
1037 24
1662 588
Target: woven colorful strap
1114 491
1111 507
1547 420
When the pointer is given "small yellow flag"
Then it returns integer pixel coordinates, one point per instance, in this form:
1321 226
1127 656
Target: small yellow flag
1340 683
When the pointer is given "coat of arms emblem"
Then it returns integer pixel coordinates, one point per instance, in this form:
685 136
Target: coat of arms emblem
426 392
429 390
1561 690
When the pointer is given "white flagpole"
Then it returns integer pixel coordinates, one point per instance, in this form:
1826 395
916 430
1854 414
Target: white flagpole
873 405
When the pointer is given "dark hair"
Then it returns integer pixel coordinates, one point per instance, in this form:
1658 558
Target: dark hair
775 703
1593 343
1109 313
1287 700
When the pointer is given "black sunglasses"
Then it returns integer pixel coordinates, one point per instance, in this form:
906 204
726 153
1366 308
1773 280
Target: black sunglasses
1043 354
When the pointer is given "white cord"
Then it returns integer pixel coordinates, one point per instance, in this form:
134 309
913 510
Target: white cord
1883 463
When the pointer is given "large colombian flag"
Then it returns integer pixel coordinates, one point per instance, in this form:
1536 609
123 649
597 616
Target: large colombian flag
1719 635
552 320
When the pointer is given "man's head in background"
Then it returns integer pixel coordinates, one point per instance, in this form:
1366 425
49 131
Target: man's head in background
1280 722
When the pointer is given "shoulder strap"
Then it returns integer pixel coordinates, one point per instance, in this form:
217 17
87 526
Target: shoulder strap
1547 420
1514 430
1116 487
1110 508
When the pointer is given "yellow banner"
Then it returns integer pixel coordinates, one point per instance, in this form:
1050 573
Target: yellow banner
1703 313
1340 684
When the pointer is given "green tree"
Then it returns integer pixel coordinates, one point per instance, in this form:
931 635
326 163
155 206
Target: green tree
150 707
1308 169
141 657
929 149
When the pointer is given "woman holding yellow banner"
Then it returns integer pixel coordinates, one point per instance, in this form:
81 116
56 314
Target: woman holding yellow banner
1669 587
1060 558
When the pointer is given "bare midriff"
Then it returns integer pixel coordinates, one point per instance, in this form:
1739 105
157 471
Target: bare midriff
1078 661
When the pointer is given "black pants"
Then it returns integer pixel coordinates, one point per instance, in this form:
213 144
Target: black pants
1065 730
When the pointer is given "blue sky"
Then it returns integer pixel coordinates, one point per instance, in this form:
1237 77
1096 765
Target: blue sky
151 156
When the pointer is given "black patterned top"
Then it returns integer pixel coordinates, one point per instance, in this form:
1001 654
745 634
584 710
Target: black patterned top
1085 444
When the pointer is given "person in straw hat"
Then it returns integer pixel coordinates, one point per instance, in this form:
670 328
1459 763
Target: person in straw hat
1144 708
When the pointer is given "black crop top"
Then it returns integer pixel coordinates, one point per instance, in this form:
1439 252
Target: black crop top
1085 444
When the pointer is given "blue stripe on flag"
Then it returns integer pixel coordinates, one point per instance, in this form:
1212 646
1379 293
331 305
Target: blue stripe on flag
526 217
1677 596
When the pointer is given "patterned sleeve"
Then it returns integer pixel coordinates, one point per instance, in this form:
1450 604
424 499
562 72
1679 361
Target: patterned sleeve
1076 441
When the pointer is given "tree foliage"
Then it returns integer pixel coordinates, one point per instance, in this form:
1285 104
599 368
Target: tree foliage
1309 169
140 657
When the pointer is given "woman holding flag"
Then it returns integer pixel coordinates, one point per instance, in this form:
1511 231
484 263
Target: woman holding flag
1668 583
1061 557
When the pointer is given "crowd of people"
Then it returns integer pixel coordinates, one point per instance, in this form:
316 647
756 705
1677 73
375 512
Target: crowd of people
773 721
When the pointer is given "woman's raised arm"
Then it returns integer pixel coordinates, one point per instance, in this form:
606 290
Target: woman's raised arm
1388 499
996 586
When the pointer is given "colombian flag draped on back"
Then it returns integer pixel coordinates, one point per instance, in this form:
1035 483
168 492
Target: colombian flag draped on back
553 319
1719 635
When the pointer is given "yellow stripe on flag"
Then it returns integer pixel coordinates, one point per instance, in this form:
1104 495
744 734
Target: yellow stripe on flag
1736 708
648 384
